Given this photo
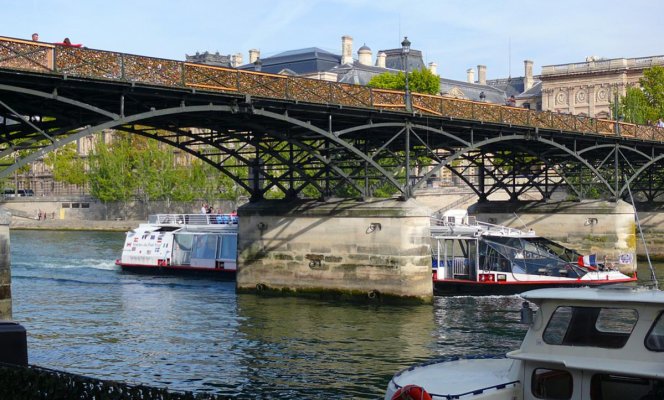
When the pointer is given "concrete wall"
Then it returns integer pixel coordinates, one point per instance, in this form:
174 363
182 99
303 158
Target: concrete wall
5 268
589 227
341 247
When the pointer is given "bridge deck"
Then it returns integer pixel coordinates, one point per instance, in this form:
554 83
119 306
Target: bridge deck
44 58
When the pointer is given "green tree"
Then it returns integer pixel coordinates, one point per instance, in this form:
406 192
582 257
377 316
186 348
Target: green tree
419 81
653 88
636 108
646 103
109 172
67 165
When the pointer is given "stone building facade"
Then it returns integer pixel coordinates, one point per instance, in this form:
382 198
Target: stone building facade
589 88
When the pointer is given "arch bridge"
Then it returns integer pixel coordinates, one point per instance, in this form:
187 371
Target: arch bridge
295 134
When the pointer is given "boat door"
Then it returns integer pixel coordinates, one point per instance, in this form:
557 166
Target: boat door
455 258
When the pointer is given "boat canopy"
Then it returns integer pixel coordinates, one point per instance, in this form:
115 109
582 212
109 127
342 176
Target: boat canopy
528 255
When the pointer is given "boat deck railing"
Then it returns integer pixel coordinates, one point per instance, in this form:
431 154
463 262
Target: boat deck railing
194 219
442 226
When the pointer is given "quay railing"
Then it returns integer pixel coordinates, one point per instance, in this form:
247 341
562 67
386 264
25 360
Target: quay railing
39 57
34 382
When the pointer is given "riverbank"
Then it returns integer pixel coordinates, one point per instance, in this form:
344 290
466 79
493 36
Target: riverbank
72 225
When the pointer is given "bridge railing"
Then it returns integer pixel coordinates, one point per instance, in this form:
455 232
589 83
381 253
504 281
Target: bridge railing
41 57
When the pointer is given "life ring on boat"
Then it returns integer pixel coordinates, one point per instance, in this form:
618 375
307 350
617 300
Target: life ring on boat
411 392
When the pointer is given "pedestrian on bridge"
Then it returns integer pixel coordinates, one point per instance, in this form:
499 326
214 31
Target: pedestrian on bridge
66 42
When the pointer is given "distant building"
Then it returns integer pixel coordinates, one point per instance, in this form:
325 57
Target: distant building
588 88
215 59
305 61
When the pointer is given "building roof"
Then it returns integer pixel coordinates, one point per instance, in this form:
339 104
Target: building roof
300 61
534 91
358 74
511 86
472 91
395 60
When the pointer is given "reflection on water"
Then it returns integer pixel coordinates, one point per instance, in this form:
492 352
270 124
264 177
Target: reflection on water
85 316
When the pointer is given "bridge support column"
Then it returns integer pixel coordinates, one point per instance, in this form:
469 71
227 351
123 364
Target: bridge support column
604 228
377 249
5 267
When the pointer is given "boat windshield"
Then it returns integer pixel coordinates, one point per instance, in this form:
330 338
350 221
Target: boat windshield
590 326
530 255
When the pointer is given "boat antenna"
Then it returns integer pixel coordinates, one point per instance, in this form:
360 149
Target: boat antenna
520 220
643 239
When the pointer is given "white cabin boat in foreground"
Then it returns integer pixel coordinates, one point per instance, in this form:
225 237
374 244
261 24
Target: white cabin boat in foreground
583 344
199 244
477 258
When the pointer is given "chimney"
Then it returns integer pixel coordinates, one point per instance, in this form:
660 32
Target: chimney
236 60
528 80
433 68
481 74
380 59
254 54
364 55
346 50
470 75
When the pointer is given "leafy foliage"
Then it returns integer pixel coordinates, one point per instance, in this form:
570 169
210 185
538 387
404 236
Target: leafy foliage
645 104
419 81
67 166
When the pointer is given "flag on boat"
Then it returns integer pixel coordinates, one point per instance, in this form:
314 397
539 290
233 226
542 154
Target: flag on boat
588 261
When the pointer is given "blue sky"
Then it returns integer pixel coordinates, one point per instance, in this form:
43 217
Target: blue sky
456 34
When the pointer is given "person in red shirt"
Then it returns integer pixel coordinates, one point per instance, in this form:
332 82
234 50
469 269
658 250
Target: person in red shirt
68 43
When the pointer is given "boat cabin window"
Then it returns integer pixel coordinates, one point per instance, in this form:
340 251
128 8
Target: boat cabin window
228 247
552 384
655 338
590 326
534 256
621 387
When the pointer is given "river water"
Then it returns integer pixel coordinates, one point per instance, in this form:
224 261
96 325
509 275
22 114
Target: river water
83 315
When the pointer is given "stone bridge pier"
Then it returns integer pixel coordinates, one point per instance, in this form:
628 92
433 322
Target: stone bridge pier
375 249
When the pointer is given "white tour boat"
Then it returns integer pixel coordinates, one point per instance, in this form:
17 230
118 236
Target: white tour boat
583 344
199 244
476 258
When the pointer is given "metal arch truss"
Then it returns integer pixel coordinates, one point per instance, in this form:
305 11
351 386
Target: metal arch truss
271 148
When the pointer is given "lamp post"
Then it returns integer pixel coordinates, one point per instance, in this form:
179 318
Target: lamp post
405 49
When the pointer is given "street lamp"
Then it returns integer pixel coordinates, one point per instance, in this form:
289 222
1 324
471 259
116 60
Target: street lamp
405 49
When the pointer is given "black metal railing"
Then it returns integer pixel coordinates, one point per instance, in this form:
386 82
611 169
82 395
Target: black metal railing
37 383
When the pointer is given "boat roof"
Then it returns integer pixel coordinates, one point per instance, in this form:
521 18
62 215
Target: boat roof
604 294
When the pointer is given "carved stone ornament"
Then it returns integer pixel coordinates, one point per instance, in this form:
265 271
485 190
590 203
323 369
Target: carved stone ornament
581 96
561 98
602 95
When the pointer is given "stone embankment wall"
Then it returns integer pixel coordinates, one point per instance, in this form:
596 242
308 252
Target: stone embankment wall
88 209
652 230
339 248
5 268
